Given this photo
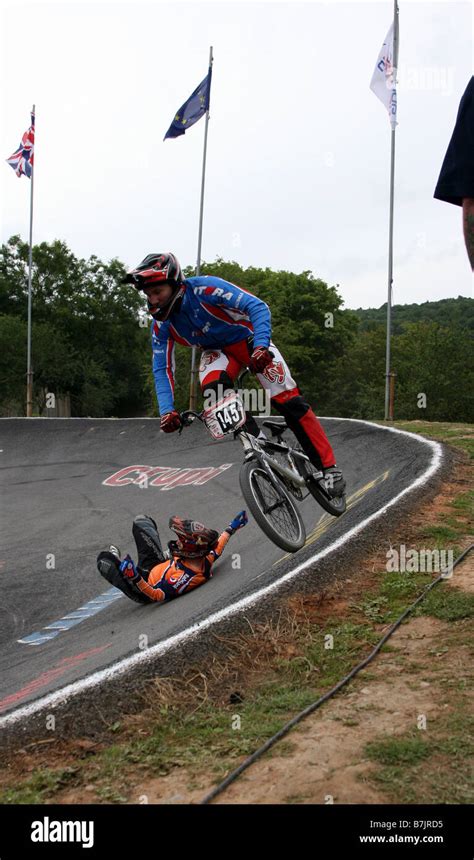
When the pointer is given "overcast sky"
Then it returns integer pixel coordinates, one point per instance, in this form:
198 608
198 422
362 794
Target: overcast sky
298 150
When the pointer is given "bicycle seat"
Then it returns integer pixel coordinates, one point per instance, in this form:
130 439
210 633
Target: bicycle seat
276 427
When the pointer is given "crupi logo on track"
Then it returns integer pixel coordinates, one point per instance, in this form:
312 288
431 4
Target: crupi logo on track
63 831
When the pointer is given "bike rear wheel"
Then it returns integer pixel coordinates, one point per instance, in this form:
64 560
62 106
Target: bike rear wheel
272 507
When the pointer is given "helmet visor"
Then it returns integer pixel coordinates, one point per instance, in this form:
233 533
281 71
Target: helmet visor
194 539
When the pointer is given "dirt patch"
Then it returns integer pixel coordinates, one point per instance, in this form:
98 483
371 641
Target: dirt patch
463 576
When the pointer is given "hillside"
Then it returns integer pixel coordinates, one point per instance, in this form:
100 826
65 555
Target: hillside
447 312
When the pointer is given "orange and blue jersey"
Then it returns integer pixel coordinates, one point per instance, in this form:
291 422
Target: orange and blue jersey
174 577
213 314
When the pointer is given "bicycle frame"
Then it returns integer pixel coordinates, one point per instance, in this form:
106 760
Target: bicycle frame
291 477
257 450
253 448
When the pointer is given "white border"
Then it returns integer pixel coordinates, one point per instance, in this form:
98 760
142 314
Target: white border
111 672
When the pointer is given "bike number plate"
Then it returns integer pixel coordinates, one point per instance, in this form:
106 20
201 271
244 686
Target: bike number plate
225 416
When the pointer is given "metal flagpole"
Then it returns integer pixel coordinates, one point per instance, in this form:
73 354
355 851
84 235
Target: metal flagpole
29 370
388 400
194 369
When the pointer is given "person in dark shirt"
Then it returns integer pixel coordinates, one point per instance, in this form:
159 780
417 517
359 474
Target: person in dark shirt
456 180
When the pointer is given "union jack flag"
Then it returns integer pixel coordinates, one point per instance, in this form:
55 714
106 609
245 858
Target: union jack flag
22 160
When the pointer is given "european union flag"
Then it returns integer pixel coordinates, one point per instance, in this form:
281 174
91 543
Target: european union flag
193 109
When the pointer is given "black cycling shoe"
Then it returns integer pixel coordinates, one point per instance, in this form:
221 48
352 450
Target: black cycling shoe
334 481
107 564
108 567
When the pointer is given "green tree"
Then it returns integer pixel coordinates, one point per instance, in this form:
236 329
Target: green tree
93 345
359 378
12 365
437 362
308 323
428 359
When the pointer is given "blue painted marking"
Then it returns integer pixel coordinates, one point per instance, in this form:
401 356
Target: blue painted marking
67 621
37 638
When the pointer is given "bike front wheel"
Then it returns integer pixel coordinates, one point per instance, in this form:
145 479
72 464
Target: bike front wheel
272 507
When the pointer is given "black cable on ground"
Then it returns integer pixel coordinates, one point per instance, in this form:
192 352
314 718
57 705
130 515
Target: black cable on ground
309 710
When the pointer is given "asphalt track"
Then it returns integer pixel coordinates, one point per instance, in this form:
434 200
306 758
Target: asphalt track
59 621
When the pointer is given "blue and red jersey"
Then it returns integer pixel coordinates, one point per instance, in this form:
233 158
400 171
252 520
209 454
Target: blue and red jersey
213 314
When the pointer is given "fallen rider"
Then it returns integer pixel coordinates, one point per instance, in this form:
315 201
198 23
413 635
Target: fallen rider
160 576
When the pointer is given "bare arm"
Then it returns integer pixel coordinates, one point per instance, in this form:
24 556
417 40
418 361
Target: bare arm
468 224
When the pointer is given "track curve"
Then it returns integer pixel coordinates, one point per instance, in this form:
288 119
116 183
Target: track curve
69 487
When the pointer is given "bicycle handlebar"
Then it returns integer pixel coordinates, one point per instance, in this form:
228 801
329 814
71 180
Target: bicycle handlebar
188 416
242 375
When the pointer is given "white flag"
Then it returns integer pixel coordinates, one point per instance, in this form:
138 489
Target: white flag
384 79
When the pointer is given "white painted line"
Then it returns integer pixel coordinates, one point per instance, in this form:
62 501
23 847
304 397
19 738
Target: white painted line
143 657
60 625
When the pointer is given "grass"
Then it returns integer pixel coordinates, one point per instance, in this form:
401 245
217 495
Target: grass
464 503
110 794
41 785
427 766
447 603
406 750
460 435
296 798
442 535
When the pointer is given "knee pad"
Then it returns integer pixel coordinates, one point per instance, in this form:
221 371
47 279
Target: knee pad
293 409
224 380
213 391
143 521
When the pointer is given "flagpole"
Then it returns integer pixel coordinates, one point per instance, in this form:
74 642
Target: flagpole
388 400
29 370
194 369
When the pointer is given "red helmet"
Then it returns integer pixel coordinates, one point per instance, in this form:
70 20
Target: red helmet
156 270
194 539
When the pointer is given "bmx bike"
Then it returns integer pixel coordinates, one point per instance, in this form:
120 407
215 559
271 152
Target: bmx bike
274 474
